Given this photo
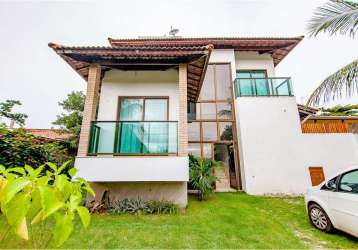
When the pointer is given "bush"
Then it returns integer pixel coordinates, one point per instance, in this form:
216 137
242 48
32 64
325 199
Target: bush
18 148
201 175
139 206
162 207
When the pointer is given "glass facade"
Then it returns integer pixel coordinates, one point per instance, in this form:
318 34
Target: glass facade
211 120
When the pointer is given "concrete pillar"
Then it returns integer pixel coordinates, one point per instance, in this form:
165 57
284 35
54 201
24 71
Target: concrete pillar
90 108
183 120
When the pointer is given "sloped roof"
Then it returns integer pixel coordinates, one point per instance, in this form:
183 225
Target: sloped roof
278 47
140 58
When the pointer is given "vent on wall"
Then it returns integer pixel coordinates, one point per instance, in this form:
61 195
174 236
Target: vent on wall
317 175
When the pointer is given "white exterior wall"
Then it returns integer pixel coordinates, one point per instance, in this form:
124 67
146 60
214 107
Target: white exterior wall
133 169
253 60
137 83
276 154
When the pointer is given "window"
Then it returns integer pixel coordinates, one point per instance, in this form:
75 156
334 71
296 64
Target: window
253 82
143 137
349 182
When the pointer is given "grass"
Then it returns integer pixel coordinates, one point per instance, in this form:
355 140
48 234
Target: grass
226 220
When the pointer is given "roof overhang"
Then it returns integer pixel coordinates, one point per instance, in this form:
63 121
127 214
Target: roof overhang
140 58
277 47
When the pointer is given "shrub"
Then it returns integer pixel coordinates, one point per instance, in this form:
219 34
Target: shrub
26 195
139 206
201 175
18 148
162 207
131 206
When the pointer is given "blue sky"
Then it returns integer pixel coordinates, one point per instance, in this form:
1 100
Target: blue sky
33 74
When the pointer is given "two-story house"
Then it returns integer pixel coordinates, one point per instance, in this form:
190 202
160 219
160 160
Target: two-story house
152 101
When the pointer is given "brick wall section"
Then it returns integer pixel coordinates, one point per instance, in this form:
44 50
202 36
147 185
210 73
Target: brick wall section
183 122
90 108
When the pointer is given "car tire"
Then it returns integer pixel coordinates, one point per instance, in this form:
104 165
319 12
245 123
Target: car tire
319 218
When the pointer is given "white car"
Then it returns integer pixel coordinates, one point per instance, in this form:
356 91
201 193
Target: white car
334 203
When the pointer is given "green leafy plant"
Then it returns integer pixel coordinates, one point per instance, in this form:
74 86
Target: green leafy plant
162 207
28 197
18 147
347 110
6 112
201 175
131 206
336 16
70 121
139 206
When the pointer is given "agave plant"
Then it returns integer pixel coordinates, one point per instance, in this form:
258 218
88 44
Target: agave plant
336 16
201 175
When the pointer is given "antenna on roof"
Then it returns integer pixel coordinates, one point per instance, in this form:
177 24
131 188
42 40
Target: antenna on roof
173 31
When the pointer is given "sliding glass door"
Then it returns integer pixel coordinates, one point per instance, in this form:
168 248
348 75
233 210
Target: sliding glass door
139 132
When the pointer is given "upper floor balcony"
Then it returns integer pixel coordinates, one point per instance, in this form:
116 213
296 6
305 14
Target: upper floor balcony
267 86
133 138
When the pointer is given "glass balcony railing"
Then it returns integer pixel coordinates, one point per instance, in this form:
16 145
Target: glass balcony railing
273 86
133 137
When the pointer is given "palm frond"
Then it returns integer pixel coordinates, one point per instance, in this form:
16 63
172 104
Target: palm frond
344 80
335 16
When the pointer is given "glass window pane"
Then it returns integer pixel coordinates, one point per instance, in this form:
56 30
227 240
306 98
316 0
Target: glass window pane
224 110
207 90
194 149
131 137
225 130
155 138
207 150
223 82
258 74
349 182
209 131
194 131
156 109
208 111
246 87
105 136
131 110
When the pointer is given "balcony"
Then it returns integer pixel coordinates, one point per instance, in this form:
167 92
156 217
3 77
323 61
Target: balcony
272 86
133 138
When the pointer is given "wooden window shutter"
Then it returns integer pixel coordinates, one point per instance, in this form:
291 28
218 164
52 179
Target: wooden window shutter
317 175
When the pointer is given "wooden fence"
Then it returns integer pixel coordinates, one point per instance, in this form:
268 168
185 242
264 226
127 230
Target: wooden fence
333 127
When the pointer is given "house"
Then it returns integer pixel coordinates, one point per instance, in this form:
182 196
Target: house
151 101
49 134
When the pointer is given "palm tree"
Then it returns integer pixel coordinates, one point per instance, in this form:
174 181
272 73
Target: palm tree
336 16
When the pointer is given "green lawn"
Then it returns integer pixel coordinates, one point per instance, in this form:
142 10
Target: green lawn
230 220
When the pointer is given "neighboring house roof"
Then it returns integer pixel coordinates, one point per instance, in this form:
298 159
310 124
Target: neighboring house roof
278 47
305 111
52 134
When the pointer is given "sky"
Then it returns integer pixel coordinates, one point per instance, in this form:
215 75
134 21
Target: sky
32 73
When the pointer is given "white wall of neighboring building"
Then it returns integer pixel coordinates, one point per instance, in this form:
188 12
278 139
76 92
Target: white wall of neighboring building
137 83
275 154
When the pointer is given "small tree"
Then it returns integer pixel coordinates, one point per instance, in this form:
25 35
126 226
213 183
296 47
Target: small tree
71 121
201 175
6 112
28 196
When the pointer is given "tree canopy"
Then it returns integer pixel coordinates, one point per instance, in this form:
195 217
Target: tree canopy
6 112
70 121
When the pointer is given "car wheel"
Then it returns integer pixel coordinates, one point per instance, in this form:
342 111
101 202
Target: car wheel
319 218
